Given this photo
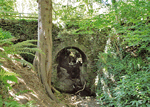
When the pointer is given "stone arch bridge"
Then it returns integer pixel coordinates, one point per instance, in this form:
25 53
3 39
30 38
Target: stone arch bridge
61 66
69 73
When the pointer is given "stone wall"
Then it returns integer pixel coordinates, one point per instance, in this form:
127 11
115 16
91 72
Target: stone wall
88 46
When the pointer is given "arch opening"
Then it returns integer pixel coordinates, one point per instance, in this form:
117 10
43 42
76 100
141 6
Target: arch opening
83 56
71 63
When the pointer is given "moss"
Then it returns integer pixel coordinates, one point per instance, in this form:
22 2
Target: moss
24 29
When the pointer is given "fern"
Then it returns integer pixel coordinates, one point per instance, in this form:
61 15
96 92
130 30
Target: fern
5 76
24 47
15 48
3 73
7 48
5 34
6 41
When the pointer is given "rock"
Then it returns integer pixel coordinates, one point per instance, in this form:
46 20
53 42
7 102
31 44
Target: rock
65 85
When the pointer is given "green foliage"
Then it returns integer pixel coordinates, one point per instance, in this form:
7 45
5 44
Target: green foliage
24 47
133 90
6 8
4 86
129 21
126 79
5 76
80 9
13 104
125 73
9 102
25 29
5 35
10 76
24 91
21 29
6 5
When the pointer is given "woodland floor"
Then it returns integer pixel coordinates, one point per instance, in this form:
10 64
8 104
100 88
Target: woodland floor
30 89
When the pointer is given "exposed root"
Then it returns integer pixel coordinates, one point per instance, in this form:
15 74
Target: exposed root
81 89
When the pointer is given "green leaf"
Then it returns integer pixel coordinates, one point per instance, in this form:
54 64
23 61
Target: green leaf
11 78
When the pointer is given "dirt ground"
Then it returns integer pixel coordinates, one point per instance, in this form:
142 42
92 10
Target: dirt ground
30 89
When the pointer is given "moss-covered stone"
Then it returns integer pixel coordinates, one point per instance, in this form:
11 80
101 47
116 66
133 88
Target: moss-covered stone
89 44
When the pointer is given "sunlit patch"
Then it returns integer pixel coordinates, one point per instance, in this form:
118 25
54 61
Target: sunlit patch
10 82
21 80
34 95
6 69
96 80
1 49
10 56
17 97
108 45
18 56
20 97
73 98
112 77
24 6
77 102
105 71
108 92
59 22
139 66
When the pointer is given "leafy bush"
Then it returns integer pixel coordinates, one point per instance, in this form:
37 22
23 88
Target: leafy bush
5 76
5 99
133 90
7 5
24 47
135 23
12 49
124 73
5 35
4 86
129 21
123 82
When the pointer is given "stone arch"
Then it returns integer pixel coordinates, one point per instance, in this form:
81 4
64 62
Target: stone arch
76 48
75 45
70 43
85 66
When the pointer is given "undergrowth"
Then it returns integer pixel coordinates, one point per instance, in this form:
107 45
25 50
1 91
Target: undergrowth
124 68
5 99
7 48
123 82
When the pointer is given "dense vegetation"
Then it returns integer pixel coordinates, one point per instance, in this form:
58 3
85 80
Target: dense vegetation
123 68
7 48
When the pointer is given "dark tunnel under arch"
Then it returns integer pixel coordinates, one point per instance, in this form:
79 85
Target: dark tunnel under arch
84 70
84 58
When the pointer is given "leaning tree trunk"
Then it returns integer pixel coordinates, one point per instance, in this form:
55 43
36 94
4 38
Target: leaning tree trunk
43 62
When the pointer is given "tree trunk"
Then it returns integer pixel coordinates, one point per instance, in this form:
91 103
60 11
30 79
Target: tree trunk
43 62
